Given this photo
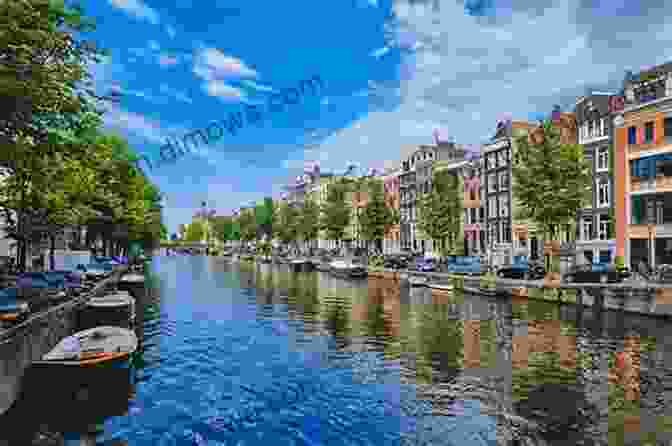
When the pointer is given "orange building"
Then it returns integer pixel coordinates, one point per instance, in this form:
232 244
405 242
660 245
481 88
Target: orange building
643 168
392 242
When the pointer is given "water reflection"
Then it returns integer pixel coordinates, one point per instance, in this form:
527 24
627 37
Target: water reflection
254 354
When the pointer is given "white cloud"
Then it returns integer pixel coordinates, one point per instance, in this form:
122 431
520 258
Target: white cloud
138 9
171 31
135 123
222 90
154 45
212 64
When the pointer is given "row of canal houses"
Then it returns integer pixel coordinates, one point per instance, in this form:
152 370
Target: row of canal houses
627 139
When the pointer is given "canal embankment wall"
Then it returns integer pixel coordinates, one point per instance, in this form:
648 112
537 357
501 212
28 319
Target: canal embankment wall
31 339
645 298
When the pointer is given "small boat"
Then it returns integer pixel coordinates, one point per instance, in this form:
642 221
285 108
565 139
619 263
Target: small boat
347 269
132 278
12 309
116 309
418 281
105 345
441 287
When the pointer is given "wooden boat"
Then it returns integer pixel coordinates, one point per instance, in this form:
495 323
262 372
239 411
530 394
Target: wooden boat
99 346
441 287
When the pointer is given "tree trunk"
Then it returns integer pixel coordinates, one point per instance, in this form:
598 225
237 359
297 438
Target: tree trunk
52 248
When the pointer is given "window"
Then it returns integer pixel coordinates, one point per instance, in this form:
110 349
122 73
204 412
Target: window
491 160
492 207
501 158
503 205
506 232
632 135
603 227
668 128
648 132
664 167
591 129
492 234
603 192
492 183
587 228
603 158
503 181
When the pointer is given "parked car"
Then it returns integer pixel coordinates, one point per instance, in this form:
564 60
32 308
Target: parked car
522 268
70 279
95 270
595 273
663 274
396 261
426 265
464 264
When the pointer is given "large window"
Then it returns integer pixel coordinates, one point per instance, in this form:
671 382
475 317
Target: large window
668 128
503 181
632 135
492 183
492 234
603 227
503 205
587 228
648 132
501 158
603 158
506 232
490 158
492 207
603 192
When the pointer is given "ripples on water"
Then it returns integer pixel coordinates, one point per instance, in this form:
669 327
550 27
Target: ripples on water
255 355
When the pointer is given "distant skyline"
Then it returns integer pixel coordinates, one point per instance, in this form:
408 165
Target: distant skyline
394 71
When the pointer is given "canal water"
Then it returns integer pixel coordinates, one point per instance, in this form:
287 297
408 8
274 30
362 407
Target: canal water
245 354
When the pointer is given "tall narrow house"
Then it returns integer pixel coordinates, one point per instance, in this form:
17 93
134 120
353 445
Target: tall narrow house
595 135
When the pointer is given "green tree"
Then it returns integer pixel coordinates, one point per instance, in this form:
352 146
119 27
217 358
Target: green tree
223 228
551 179
336 210
248 225
377 218
440 211
195 231
308 218
286 228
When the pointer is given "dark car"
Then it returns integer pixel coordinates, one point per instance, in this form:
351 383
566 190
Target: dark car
663 274
521 268
396 261
595 273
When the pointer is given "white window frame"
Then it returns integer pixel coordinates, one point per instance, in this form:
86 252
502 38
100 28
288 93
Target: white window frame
600 183
503 205
602 227
586 228
492 182
503 185
492 207
600 152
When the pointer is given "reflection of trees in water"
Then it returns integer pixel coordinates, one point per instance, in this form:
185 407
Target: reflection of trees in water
338 323
439 345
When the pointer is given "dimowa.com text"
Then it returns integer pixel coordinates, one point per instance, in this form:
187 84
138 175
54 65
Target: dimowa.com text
175 148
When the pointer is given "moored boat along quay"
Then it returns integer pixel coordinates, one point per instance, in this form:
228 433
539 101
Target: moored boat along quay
237 352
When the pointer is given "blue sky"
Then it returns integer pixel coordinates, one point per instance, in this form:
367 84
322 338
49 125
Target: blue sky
393 71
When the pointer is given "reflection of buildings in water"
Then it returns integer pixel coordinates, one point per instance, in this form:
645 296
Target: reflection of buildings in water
386 293
663 300
543 336
626 369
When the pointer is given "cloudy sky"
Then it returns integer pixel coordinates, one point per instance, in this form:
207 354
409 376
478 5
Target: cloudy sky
392 71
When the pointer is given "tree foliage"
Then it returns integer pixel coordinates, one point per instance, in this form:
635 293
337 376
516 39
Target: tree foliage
308 225
440 210
336 210
222 226
551 179
377 218
195 231
248 225
286 229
